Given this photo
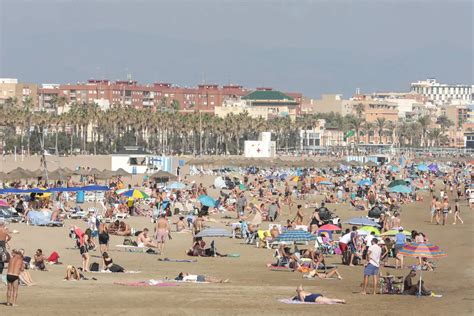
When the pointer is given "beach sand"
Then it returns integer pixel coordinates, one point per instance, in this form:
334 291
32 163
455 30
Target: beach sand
253 288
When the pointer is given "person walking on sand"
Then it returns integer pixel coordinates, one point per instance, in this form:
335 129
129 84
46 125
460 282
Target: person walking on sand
372 266
457 211
162 231
15 267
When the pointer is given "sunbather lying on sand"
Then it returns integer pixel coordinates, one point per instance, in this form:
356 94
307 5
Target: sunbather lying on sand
186 277
303 296
323 275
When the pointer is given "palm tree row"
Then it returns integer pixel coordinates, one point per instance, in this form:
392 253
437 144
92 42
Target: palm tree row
87 129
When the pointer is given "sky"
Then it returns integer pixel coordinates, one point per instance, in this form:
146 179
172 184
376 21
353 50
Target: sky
306 46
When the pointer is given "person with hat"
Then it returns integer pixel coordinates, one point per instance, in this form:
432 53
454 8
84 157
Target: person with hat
400 241
414 289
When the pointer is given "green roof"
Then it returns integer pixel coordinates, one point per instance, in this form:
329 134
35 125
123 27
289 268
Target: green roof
261 95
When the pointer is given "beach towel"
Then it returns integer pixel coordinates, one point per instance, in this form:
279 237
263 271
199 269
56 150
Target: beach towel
108 271
233 255
291 301
147 283
177 260
53 257
276 268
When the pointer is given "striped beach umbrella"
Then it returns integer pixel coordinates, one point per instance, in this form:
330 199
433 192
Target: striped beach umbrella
134 193
421 250
295 236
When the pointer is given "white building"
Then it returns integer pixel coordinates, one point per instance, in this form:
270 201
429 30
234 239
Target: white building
264 147
440 93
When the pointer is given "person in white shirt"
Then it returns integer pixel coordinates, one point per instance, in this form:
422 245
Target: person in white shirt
372 266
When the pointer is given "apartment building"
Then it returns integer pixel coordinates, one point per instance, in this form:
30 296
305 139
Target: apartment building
11 89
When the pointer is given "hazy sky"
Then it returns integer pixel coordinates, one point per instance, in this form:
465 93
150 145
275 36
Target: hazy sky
309 46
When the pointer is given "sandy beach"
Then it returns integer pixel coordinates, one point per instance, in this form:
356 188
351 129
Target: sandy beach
253 287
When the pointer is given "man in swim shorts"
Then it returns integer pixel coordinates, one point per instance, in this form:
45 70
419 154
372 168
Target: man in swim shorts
162 230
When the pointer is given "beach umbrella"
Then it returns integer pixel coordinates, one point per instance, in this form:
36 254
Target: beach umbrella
371 164
214 232
134 193
163 175
326 183
361 221
433 167
421 250
370 229
364 182
242 187
295 236
121 172
120 191
397 182
394 169
329 227
400 189
37 173
422 167
319 179
176 186
18 173
206 200
393 232
105 174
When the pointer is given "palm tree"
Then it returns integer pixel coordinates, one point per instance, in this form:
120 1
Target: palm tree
424 122
359 109
380 124
355 123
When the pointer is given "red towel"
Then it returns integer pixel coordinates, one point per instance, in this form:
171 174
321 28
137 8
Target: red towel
53 257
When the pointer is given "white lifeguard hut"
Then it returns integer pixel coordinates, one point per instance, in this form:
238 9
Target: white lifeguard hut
264 147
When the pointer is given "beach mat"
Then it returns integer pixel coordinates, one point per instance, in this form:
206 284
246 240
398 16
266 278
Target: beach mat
282 269
177 260
291 301
146 283
110 272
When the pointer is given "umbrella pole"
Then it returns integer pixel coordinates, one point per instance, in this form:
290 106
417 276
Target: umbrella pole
421 278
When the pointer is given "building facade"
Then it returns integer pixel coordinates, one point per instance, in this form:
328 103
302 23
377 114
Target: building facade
440 93
12 90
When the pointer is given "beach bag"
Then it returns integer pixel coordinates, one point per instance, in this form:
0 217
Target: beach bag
94 267
116 268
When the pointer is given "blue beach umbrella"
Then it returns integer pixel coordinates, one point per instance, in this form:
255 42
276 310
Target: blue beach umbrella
364 182
207 200
400 189
361 221
295 236
422 167
326 183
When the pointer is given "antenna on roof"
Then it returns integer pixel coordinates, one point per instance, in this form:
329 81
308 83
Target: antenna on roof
129 77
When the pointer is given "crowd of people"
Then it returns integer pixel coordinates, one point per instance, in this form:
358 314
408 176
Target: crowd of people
255 198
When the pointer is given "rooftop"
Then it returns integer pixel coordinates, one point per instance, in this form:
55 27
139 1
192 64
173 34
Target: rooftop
267 95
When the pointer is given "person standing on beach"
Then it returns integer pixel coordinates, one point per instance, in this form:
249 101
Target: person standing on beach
15 267
372 266
162 231
4 238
